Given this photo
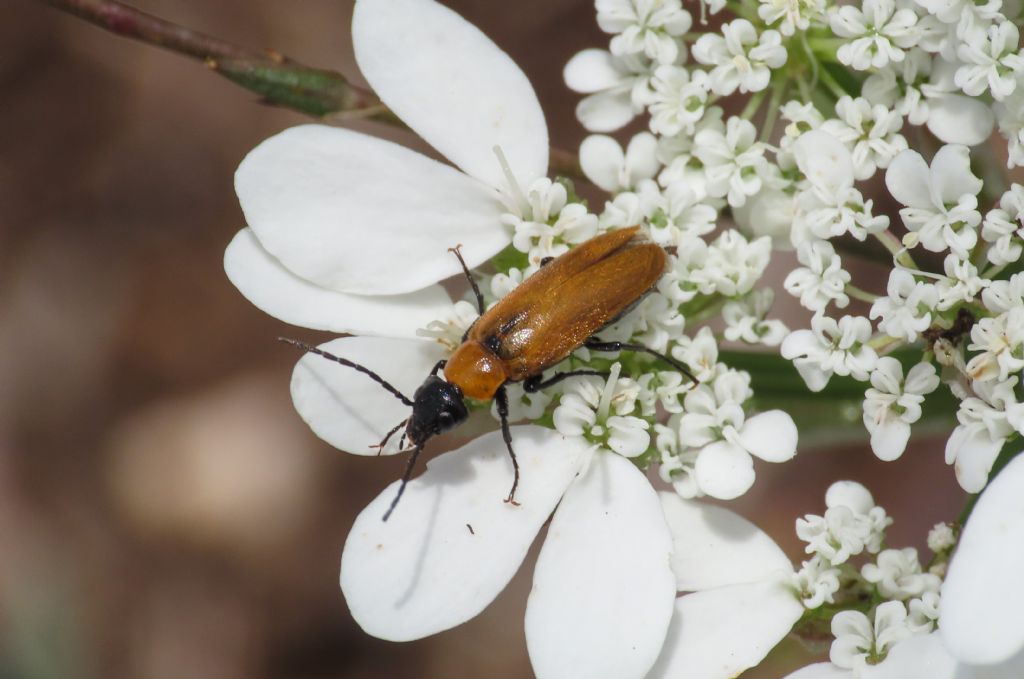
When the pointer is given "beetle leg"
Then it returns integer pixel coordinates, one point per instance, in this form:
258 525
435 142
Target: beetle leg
355 366
472 281
598 345
437 366
405 480
535 383
380 446
501 399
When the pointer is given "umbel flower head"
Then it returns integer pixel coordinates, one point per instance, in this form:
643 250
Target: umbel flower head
349 233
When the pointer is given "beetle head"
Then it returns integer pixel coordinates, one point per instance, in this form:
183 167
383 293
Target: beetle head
437 406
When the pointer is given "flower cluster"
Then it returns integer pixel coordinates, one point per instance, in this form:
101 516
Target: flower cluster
775 132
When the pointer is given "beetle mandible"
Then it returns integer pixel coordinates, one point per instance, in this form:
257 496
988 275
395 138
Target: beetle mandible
548 316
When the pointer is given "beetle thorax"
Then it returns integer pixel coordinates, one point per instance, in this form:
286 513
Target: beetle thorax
476 370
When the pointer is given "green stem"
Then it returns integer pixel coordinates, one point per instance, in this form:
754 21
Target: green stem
895 247
752 105
831 83
857 293
779 89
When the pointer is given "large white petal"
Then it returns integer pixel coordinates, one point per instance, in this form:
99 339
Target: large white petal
602 159
770 436
724 470
951 175
591 70
983 595
718 633
606 111
348 409
280 293
921 656
603 591
453 86
358 214
956 119
824 160
713 546
453 543
907 180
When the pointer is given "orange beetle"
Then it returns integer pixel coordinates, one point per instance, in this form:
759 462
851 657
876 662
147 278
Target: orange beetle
551 314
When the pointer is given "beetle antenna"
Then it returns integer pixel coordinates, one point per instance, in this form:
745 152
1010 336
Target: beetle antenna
344 361
405 480
513 183
387 437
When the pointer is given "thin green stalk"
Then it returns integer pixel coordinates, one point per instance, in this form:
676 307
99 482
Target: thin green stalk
896 248
857 293
779 89
832 84
753 105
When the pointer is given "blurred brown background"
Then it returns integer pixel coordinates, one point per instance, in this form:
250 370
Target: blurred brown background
163 511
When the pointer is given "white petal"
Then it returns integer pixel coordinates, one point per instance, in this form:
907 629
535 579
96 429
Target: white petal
453 543
453 86
770 436
821 670
983 595
285 296
357 214
603 591
907 180
724 470
921 655
957 119
601 159
889 440
951 175
718 633
712 546
591 70
824 160
606 111
345 407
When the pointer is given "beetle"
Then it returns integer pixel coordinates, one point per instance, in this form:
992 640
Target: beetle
548 316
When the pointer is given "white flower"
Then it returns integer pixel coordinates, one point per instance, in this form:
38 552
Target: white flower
716 424
830 206
549 224
851 523
880 31
605 163
961 284
677 99
586 410
745 320
1002 296
984 427
649 27
831 347
941 200
739 602
1004 227
677 214
924 611
983 594
1001 341
941 537
922 89
769 212
742 60
897 574
857 639
617 87
795 14
891 405
817 581
733 264
992 65
734 161
871 132
906 311
821 280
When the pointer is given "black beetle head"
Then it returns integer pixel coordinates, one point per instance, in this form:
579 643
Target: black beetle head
437 406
